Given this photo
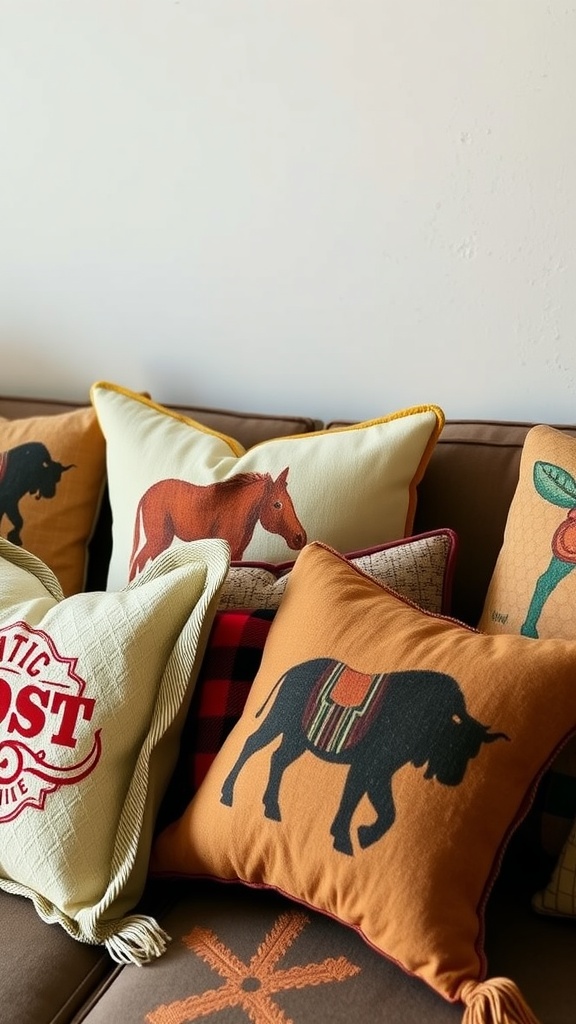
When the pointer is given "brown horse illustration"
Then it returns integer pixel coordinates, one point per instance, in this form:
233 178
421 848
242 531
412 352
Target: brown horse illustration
229 509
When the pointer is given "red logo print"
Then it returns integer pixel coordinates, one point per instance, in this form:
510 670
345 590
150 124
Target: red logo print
44 715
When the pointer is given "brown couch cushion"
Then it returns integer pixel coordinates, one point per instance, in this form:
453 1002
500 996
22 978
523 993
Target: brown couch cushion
46 975
293 964
538 953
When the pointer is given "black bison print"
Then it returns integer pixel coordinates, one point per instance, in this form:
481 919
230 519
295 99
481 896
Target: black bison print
26 469
373 723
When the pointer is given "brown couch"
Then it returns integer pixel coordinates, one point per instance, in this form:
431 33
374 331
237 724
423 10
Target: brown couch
48 978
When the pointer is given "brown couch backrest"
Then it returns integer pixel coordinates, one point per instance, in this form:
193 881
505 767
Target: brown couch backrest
468 484
246 427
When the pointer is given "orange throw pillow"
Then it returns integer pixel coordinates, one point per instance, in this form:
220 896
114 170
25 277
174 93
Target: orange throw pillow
384 756
52 474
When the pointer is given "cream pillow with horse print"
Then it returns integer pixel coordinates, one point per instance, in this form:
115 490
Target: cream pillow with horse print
172 480
94 689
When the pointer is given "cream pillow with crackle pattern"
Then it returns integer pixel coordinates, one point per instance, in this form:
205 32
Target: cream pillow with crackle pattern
420 568
93 693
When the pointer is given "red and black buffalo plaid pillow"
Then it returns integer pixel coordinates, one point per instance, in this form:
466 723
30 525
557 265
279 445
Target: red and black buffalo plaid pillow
231 661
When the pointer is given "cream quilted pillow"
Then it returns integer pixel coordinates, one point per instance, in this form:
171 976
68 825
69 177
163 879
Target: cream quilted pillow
93 693
172 479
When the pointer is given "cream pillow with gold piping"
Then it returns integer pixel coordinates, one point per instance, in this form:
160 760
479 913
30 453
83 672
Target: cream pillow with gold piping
172 480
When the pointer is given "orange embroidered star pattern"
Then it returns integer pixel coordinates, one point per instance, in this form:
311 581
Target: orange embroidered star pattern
252 985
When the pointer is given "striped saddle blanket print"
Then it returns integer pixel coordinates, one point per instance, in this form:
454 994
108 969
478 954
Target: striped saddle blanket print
342 706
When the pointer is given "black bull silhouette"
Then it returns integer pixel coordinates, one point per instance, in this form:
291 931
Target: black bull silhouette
373 723
26 469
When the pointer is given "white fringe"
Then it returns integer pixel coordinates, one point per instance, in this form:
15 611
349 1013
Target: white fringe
138 940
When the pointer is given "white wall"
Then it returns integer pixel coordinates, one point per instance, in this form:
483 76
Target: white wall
334 207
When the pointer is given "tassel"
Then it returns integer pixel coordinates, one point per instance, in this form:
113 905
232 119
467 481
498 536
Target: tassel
137 940
496 1001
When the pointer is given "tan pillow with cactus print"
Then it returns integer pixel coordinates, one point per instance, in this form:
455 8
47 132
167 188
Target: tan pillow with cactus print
533 589
533 586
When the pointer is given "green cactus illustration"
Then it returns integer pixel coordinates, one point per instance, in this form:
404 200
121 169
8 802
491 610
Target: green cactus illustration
558 487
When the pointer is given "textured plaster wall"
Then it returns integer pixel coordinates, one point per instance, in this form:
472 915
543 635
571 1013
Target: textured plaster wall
335 207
